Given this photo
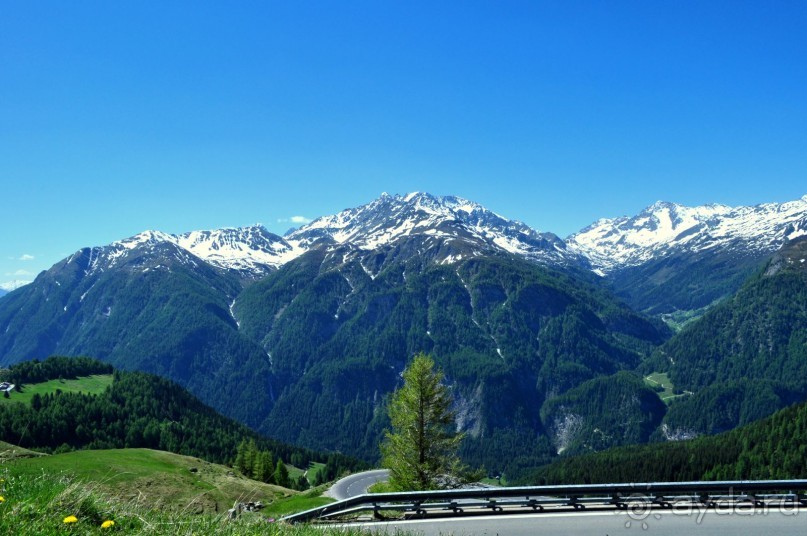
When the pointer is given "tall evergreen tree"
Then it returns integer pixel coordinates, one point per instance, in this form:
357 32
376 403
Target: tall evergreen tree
241 462
264 467
421 449
281 474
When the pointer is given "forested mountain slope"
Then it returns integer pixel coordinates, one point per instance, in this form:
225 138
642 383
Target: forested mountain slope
508 333
747 356
773 448
154 308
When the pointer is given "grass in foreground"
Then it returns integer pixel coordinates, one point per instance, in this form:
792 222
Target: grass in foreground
39 504
156 479
88 385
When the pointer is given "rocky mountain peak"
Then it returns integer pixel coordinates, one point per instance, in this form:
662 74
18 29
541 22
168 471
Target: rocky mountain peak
392 218
664 229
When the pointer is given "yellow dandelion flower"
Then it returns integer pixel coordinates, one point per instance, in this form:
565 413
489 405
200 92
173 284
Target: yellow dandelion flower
70 519
2 499
106 524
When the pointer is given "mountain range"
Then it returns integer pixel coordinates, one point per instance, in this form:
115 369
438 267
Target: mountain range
303 336
663 238
673 258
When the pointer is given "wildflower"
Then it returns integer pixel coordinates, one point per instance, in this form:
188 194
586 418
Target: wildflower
2 499
70 519
107 524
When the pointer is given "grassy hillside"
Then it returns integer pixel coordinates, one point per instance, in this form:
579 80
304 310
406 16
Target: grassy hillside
10 452
38 499
157 479
90 385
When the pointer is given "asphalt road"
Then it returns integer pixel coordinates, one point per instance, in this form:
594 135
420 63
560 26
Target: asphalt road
356 484
608 523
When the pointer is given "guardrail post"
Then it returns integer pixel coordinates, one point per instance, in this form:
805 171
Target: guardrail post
533 503
574 503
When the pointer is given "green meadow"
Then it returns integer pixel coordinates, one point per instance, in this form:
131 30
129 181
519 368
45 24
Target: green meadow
94 384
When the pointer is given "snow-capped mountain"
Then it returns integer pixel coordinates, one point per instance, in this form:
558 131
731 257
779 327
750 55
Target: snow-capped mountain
243 249
390 218
250 250
462 228
254 251
665 228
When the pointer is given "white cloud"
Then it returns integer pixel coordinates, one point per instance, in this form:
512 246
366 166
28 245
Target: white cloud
8 286
26 257
19 273
295 219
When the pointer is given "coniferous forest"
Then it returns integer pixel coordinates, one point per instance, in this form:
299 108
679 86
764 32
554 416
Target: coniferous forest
773 448
139 410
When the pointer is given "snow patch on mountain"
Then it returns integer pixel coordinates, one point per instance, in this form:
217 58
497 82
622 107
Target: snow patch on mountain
251 250
797 230
666 228
243 249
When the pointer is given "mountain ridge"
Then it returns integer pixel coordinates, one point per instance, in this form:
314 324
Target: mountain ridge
606 247
663 227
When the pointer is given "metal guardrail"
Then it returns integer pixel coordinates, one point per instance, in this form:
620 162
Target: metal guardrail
663 494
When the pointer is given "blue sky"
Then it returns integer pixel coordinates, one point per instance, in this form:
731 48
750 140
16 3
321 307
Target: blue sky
117 117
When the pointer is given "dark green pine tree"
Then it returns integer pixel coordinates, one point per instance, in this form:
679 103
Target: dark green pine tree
281 477
421 449
264 467
245 457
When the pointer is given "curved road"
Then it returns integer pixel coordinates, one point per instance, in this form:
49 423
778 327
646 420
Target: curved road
603 523
356 484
